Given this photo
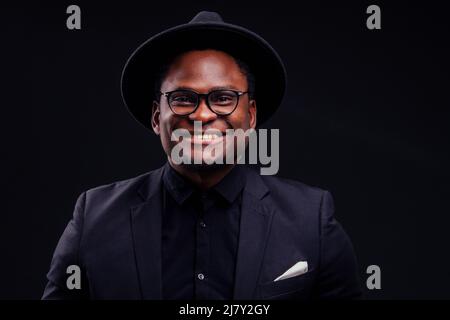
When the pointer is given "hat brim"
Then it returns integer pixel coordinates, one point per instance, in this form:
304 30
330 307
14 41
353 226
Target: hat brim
143 67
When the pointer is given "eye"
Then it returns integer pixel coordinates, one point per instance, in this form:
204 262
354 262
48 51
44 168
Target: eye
182 99
223 98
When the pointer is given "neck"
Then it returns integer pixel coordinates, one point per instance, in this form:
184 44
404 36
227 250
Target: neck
202 176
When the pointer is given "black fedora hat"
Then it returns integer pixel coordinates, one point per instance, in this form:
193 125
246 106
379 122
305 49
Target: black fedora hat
205 30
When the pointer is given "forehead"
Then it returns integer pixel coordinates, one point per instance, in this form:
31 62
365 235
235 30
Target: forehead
204 69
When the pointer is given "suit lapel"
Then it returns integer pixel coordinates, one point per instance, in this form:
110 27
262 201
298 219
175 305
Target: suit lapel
256 220
146 232
146 220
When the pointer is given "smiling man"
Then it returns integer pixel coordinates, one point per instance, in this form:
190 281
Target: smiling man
207 229
227 105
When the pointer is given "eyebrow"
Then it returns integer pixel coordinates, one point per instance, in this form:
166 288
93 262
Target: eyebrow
210 89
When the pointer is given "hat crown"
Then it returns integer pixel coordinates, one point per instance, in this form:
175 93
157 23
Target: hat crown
206 30
207 16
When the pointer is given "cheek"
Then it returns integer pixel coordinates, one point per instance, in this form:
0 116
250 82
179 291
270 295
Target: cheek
240 119
168 123
165 123
166 120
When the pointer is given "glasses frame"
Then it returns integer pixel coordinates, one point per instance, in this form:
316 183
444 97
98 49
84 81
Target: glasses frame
206 97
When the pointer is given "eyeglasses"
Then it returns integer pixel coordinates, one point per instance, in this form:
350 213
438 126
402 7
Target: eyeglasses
185 102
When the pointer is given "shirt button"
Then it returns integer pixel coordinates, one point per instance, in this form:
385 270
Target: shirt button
202 224
201 276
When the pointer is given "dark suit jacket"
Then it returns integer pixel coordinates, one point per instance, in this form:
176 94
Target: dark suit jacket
115 238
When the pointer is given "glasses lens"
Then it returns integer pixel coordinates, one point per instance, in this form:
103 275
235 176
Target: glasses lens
183 102
223 101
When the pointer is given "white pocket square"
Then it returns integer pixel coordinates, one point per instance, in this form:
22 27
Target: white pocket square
297 269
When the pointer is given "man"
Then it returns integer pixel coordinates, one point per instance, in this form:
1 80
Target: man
204 231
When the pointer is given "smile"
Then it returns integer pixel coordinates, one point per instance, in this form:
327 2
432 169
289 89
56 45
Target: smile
207 148
204 138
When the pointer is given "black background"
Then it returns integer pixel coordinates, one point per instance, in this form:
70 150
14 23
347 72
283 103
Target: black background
366 116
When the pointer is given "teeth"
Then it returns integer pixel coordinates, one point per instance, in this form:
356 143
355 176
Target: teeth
206 136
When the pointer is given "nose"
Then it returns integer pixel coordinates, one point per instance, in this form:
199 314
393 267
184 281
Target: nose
203 113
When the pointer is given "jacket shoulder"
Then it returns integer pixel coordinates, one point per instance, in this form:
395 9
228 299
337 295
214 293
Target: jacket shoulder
120 185
292 189
123 191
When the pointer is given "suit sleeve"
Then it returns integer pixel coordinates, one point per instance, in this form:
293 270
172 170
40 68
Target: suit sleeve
338 277
66 254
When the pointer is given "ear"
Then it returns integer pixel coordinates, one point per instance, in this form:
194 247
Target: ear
155 117
252 113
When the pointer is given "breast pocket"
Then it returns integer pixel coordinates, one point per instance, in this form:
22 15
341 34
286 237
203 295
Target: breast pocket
298 287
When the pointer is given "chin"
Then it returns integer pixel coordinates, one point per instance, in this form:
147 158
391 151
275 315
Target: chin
204 167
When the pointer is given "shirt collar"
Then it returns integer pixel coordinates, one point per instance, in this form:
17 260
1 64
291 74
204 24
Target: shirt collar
181 189
178 187
232 184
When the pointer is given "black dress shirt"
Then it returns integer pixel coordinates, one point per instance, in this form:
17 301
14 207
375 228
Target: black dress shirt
200 232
